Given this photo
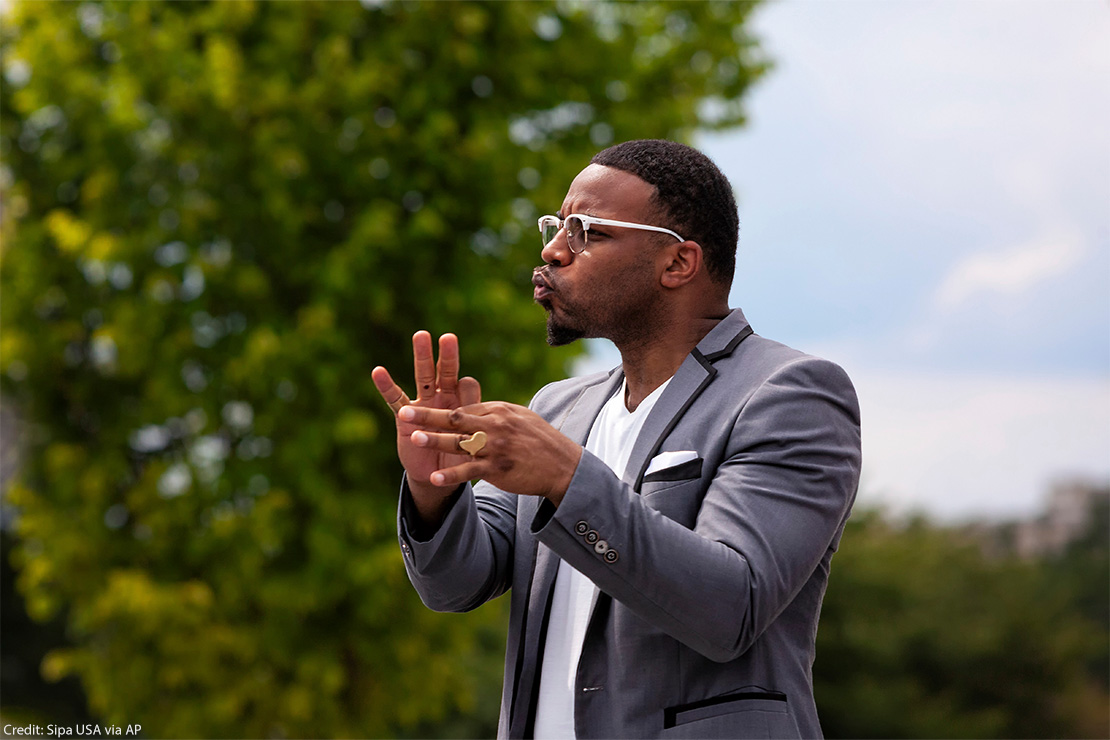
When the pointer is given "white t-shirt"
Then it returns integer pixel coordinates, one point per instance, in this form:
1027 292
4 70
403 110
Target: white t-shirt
611 439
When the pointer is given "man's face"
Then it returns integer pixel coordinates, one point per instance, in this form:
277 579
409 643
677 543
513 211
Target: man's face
610 288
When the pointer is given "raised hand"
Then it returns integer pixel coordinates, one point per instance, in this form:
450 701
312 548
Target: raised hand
521 453
438 386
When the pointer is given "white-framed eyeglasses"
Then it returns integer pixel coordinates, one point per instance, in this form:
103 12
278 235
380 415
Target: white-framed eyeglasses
578 229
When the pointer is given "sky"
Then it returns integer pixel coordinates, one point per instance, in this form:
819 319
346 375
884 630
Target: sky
924 193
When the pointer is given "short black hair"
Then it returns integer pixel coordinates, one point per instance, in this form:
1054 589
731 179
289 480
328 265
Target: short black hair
693 196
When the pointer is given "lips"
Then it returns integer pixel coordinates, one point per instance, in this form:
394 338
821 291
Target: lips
543 289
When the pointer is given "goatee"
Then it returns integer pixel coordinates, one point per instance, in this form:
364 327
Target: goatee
559 335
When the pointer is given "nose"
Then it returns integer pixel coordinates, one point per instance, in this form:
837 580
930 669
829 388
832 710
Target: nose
557 251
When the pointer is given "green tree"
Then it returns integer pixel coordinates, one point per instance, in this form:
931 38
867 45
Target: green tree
217 217
1081 574
922 635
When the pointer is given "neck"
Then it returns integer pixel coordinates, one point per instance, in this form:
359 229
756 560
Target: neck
651 360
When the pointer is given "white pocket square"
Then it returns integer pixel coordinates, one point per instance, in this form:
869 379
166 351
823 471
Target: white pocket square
665 460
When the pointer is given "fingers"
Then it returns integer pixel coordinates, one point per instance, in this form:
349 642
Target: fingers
424 367
390 391
443 442
383 381
470 392
444 419
459 474
447 371
431 378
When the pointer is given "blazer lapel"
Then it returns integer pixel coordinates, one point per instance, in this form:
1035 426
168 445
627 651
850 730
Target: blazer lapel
688 382
575 424
578 421
691 378
545 566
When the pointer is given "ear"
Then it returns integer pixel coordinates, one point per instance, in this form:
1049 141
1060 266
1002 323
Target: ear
683 262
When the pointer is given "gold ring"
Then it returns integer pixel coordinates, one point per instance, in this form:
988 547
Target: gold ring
473 444
402 401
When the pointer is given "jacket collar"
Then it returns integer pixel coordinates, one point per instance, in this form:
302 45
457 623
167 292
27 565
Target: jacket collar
692 377
723 338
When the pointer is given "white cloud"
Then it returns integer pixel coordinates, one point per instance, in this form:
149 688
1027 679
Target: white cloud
924 186
1008 272
968 446
965 446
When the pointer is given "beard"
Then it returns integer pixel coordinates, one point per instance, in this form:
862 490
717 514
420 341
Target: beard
559 334
615 310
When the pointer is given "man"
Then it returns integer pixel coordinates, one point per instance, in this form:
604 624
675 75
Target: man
665 529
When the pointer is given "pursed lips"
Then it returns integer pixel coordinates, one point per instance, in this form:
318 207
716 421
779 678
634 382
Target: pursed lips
543 288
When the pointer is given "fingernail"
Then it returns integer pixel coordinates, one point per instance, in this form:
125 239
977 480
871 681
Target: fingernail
406 413
438 478
420 438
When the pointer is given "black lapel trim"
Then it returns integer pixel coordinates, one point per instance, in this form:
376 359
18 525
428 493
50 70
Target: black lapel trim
522 711
522 641
741 335
710 372
706 361
534 689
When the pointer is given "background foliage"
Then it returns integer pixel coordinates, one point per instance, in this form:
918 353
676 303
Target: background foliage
217 217
929 631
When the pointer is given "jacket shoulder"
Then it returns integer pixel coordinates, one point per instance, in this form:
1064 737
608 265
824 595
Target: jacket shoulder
760 358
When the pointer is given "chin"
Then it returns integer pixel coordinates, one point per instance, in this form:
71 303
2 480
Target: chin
559 335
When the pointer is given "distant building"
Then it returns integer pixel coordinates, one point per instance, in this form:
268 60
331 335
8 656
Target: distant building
1070 512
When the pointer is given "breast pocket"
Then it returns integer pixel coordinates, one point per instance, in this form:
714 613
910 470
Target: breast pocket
675 499
684 470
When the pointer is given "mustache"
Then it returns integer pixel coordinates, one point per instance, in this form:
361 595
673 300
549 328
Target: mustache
542 277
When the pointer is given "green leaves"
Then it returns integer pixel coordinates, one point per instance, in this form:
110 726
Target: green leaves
923 635
217 219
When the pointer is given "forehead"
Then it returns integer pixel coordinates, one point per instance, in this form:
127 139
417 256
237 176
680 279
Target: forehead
609 192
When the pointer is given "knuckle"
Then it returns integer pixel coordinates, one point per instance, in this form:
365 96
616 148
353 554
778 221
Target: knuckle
455 417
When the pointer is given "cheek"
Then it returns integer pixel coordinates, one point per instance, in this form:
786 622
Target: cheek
602 280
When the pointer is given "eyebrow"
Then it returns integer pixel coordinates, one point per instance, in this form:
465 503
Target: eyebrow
587 212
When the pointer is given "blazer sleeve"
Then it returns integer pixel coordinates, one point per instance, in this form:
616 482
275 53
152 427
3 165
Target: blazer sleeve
468 560
774 508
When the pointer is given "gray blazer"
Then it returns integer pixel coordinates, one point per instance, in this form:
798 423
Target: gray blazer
711 570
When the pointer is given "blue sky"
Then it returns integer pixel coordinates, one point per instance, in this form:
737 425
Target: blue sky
925 198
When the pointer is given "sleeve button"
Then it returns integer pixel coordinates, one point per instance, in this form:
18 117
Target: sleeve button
581 527
611 556
601 547
592 536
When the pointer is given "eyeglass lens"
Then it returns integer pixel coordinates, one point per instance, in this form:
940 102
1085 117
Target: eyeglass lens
576 235
550 229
